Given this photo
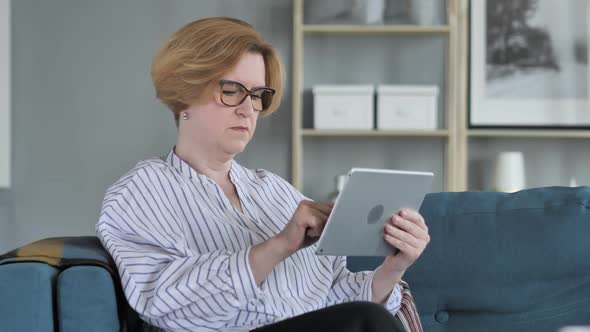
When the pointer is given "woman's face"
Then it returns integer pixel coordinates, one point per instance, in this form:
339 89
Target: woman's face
216 127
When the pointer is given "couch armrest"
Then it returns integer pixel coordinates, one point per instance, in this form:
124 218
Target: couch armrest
26 303
86 294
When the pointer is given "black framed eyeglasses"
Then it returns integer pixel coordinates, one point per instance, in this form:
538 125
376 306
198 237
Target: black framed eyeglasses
234 93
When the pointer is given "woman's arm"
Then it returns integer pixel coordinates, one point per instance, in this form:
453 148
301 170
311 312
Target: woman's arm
175 291
408 232
173 286
383 284
362 286
264 257
302 230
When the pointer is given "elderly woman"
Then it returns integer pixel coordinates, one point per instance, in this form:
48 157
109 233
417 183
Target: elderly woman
204 244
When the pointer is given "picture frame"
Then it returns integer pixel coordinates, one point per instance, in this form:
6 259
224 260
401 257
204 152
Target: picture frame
529 64
5 94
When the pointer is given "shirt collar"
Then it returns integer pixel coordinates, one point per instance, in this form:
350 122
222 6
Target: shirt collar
236 173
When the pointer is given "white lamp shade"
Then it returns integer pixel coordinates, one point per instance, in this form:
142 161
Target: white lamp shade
509 172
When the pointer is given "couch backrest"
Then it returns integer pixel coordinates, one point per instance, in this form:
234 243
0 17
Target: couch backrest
505 262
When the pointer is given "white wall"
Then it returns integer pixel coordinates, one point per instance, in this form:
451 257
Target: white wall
84 110
5 94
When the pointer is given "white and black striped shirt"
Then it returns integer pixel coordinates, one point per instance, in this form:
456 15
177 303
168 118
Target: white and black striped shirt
181 248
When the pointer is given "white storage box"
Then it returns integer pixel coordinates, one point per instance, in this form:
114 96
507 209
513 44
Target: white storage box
407 107
343 106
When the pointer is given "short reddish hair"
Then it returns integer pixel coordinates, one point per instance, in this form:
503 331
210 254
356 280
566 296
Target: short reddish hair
191 62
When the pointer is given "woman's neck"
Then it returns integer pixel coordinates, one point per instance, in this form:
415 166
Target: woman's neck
215 167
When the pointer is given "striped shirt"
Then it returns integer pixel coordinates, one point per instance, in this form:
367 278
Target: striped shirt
181 248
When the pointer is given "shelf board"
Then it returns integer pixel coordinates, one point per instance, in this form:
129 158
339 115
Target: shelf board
532 133
354 29
379 133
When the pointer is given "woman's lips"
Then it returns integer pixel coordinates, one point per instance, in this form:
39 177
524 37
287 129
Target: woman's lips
244 129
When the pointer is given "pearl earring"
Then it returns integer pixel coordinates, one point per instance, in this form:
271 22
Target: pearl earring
184 115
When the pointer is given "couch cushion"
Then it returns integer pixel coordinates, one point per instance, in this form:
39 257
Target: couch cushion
26 301
86 300
505 262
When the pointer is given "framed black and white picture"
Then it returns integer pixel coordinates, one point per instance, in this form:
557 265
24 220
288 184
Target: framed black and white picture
529 63
5 93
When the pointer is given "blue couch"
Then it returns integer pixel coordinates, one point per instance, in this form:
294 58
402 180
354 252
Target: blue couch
62 284
39 297
496 262
503 262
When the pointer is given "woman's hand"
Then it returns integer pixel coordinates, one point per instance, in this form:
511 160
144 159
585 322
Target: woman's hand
407 232
305 227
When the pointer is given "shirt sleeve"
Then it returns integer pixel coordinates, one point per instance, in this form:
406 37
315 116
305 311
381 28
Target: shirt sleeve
169 285
357 286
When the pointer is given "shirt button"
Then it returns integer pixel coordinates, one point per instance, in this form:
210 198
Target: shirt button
441 316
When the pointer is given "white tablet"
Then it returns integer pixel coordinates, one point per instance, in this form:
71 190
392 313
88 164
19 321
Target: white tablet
368 200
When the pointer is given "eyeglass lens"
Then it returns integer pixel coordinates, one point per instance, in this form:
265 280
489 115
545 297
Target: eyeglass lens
233 94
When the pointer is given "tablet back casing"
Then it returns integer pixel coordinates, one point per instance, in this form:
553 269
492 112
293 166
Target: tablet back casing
367 202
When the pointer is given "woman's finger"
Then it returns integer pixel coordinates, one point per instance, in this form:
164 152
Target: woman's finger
409 226
325 207
316 224
407 250
403 236
319 214
400 245
414 217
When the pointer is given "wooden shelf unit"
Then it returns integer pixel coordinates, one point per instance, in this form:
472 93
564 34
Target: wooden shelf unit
369 133
448 134
529 133
457 134
375 29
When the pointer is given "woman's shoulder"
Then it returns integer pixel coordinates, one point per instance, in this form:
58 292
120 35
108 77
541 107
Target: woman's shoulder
143 171
264 174
260 176
269 176
276 183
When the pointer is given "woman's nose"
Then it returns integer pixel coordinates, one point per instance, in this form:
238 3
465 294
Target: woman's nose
246 108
